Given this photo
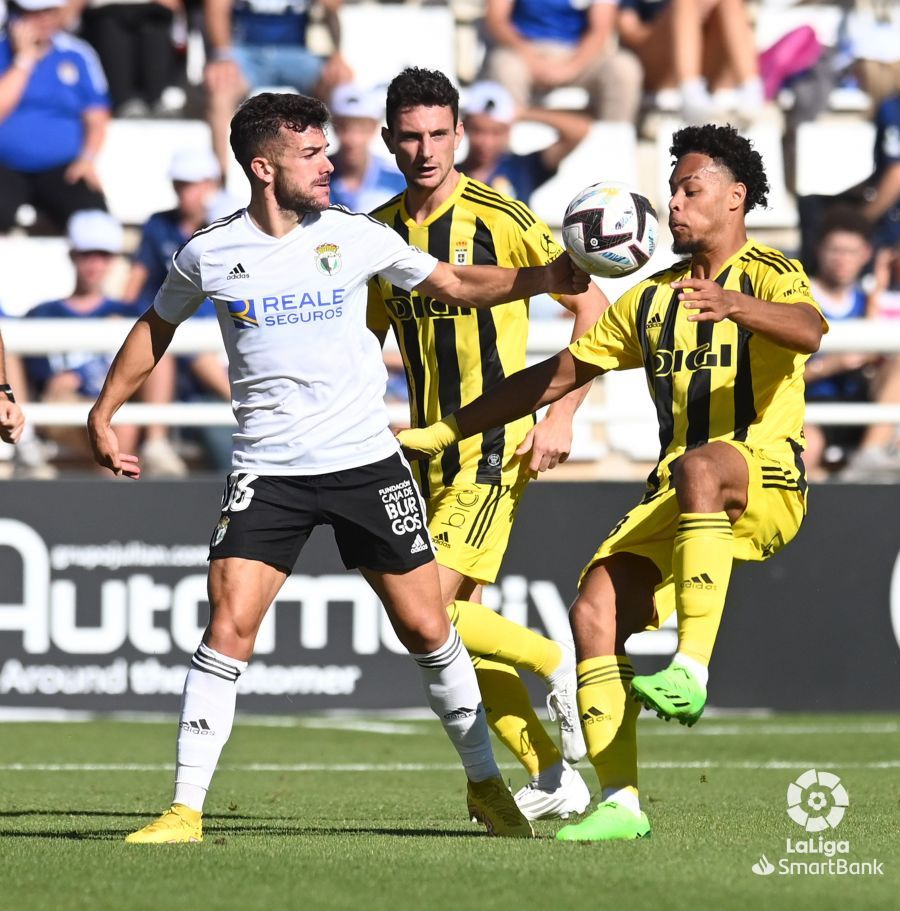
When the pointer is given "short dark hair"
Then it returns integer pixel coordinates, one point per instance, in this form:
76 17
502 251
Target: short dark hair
259 119
847 219
416 86
728 148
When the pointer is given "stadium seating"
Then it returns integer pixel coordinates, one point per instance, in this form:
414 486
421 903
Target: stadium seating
817 173
381 40
134 164
609 152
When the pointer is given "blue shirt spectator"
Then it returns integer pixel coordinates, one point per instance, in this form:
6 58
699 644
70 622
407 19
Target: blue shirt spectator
556 20
53 114
379 183
360 181
46 129
887 171
91 369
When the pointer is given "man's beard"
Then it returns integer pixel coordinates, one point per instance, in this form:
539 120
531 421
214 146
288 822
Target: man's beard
291 199
688 245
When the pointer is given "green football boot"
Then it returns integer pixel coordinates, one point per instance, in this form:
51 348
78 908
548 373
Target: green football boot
672 693
609 822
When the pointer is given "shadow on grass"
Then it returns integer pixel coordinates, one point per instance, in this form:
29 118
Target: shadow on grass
285 831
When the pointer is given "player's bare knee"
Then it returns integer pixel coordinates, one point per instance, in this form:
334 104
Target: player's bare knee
426 633
593 622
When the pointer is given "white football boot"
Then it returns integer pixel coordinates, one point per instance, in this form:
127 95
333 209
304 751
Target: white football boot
562 707
569 798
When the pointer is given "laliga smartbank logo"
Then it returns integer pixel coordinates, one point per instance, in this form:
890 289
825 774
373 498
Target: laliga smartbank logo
817 801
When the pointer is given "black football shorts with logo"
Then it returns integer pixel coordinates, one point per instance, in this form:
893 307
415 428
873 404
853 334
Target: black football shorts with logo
376 512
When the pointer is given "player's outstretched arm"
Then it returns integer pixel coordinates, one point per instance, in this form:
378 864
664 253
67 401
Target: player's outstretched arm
486 286
797 327
520 394
145 344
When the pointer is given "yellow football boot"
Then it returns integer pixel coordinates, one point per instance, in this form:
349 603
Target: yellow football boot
491 803
178 825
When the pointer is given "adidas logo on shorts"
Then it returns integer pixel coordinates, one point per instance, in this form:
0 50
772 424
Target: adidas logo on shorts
418 545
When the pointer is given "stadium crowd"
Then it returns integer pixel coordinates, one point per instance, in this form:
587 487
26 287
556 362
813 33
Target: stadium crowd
69 67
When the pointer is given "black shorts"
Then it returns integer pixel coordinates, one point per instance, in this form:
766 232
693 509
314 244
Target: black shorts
376 511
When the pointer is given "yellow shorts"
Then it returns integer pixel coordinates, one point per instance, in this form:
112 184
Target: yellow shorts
775 508
470 526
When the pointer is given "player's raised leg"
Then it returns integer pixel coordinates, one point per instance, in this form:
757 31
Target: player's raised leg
487 633
711 486
615 600
412 600
240 592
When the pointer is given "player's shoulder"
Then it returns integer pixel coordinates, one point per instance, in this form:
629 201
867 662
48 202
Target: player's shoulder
217 232
494 207
348 219
388 209
664 276
764 258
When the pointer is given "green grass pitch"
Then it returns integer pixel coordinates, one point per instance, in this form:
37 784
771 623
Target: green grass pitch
368 814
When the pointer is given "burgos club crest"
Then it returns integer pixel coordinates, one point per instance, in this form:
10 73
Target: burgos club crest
328 259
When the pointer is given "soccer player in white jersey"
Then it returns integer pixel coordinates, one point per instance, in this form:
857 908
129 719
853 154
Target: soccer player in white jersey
288 276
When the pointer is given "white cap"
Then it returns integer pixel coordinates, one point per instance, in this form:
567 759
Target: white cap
350 100
93 229
33 5
191 165
491 99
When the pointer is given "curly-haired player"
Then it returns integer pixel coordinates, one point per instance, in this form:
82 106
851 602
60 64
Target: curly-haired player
722 337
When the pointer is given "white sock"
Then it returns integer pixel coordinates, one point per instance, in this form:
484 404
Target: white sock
566 667
752 93
624 797
454 697
207 715
699 670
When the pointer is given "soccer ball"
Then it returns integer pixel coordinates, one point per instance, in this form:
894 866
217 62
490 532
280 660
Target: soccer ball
610 229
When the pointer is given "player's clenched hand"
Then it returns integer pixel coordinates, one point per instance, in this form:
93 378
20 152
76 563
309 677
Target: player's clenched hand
105 445
11 421
549 443
710 301
425 442
564 277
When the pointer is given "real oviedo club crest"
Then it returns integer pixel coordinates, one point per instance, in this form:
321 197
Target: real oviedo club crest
328 259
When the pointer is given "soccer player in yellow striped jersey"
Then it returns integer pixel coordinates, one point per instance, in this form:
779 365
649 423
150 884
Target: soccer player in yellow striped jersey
722 337
452 354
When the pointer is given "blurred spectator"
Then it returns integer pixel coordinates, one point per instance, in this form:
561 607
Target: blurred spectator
878 196
878 455
488 114
842 253
694 48
53 115
195 176
134 41
883 199
256 43
95 238
540 45
360 181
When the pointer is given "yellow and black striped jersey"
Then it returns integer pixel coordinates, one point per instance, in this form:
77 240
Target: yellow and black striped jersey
711 381
453 354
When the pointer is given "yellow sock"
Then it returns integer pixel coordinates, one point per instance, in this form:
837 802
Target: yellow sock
512 718
701 568
609 719
485 632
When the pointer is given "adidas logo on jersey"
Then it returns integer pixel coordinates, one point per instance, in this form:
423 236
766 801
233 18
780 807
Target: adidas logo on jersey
654 322
443 539
418 545
197 727
238 272
703 581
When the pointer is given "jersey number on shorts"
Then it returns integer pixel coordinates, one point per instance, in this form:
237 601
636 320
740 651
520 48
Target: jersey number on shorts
238 492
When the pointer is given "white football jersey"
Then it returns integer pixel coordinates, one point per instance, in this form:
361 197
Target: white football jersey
307 376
